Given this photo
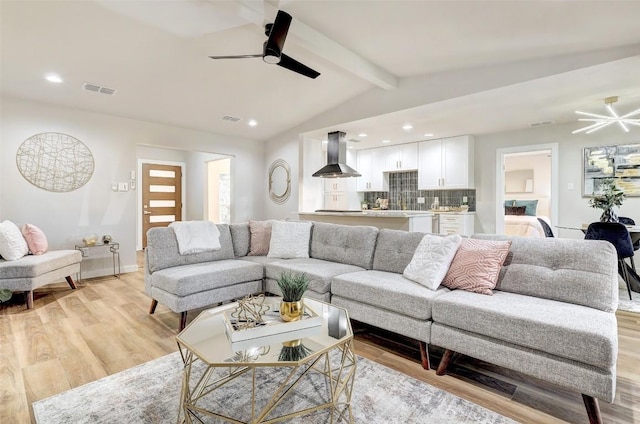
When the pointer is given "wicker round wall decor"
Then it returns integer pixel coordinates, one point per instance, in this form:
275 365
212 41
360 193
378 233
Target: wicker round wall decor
55 162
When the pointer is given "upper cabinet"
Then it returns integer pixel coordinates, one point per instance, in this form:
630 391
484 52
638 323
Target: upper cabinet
371 163
402 157
446 163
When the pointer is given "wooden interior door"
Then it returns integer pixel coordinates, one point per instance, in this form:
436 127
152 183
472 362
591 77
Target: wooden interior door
161 196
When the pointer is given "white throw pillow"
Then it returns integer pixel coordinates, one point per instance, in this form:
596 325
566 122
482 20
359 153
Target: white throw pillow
13 246
289 239
432 259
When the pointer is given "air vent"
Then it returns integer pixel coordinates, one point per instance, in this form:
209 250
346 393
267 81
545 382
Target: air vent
541 123
98 89
230 118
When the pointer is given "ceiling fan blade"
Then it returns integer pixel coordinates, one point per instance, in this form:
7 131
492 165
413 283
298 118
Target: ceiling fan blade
295 66
240 56
275 42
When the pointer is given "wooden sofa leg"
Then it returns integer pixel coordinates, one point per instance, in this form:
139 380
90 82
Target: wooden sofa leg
72 284
424 355
593 409
152 308
183 320
444 362
30 299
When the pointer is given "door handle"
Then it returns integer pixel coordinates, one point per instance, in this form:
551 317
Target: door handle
146 213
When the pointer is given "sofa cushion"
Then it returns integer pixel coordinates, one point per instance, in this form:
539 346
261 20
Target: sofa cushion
570 331
35 238
395 249
289 240
345 244
241 237
431 260
260 238
386 290
32 266
194 278
584 272
162 249
12 244
476 265
319 272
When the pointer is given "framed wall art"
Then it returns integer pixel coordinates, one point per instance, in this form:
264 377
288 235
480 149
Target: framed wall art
621 162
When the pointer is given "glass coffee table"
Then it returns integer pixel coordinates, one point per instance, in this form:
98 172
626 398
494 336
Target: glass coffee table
268 379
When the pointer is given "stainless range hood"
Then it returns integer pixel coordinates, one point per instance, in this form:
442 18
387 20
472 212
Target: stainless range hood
336 158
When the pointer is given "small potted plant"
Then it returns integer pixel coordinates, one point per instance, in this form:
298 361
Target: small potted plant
611 196
293 285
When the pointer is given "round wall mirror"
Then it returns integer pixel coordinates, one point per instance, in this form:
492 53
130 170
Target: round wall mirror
279 181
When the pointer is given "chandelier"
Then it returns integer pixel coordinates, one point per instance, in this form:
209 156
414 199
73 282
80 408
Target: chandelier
601 121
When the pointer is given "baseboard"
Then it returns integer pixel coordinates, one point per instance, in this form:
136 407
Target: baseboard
93 273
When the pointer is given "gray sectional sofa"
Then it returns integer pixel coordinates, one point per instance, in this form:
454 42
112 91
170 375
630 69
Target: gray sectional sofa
552 315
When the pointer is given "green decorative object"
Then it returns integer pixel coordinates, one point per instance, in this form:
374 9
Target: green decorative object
5 295
611 196
293 285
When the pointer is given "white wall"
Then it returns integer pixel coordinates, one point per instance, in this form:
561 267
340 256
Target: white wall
94 208
540 164
573 209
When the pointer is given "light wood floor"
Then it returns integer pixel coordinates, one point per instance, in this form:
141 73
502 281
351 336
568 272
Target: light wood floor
73 337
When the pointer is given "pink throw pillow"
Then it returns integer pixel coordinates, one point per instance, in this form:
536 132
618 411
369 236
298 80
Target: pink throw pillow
36 240
476 266
260 238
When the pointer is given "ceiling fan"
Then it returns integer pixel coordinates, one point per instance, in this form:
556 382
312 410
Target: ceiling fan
272 48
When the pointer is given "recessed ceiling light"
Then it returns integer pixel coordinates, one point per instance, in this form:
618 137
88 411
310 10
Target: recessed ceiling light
350 147
253 122
428 135
324 141
362 135
53 78
386 141
407 126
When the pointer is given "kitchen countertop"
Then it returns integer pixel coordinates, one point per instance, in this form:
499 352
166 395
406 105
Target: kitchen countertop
384 213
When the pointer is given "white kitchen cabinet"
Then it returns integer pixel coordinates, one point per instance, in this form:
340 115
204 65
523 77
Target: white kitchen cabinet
446 163
402 157
371 163
336 201
335 184
457 224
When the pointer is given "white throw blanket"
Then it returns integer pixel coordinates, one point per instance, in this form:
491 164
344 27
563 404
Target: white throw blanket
196 236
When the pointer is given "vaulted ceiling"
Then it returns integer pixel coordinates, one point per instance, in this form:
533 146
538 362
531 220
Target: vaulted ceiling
155 54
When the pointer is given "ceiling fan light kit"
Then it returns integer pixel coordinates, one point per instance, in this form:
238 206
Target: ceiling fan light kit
601 121
272 48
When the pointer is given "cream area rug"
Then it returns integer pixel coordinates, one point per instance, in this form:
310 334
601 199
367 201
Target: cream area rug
624 304
150 393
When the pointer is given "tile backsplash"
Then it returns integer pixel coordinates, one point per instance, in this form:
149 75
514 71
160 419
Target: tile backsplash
403 191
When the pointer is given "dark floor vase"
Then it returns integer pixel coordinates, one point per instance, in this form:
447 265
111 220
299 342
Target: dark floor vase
608 216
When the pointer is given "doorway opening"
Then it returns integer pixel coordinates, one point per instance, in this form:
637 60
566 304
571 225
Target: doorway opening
218 191
525 174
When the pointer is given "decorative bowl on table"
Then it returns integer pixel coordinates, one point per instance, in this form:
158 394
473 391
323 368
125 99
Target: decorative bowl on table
90 239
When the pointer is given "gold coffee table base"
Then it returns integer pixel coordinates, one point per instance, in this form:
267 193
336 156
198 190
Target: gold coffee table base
202 381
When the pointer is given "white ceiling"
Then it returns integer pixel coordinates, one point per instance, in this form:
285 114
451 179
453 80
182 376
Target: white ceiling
155 55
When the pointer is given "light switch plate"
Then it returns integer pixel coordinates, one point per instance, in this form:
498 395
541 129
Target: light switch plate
114 186
123 187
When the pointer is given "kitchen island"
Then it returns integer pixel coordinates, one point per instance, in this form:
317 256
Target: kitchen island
422 221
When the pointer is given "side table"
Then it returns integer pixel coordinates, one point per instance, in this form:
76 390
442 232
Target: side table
114 248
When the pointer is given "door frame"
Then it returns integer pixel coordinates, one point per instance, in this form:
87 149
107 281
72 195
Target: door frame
182 166
500 195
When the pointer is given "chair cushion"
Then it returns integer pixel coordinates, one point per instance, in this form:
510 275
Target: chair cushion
194 278
476 266
570 331
12 244
32 266
289 239
431 260
386 290
345 244
320 272
395 249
